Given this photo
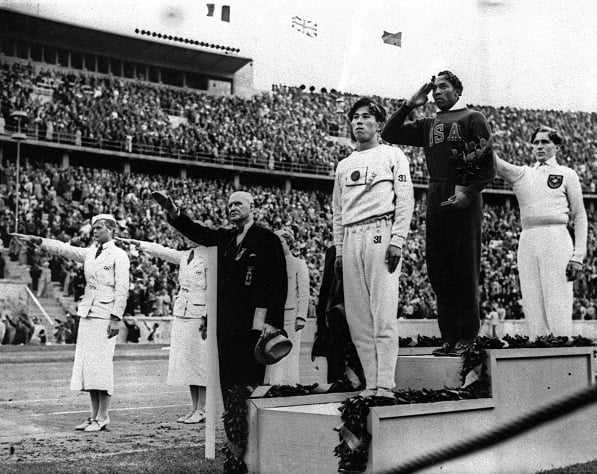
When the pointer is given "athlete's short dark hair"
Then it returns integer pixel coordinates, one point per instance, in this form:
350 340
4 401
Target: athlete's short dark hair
376 109
553 135
452 79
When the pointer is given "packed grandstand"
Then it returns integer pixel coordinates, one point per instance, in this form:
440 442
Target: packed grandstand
291 130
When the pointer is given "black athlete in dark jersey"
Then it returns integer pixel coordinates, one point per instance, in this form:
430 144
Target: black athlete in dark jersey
460 164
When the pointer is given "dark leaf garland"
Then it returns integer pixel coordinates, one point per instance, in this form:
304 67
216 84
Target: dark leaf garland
236 423
521 342
236 426
429 341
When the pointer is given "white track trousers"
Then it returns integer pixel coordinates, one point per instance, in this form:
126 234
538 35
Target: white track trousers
543 253
371 300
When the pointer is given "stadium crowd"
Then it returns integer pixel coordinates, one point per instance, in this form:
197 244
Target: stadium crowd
287 128
59 203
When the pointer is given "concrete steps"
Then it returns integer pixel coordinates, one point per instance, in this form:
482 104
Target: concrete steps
14 270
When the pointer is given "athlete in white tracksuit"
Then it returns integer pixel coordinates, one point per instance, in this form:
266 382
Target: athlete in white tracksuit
373 202
549 195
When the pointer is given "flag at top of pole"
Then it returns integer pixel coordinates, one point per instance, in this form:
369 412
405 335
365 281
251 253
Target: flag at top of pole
395 39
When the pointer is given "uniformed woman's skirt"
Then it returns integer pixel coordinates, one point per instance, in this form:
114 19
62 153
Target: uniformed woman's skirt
94 353
188 354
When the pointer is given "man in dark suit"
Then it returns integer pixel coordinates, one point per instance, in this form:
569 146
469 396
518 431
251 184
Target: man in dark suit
252 285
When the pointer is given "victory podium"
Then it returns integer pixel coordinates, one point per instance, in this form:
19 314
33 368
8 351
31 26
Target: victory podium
296 434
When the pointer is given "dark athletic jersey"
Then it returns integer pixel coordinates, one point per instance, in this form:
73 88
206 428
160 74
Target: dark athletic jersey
449 130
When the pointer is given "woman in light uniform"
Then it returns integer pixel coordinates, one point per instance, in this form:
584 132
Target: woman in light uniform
101 308
286 372
188 348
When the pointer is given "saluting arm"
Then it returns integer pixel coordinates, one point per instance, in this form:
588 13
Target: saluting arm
55 247
507 171
410 133
399 132
196 232
160 251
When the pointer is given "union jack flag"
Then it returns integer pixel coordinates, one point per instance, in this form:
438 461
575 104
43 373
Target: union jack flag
307 27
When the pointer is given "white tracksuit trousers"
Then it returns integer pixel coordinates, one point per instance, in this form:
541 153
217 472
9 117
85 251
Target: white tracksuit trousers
543 254
371 300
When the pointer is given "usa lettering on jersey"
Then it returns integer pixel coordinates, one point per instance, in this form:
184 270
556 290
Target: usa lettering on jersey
437 135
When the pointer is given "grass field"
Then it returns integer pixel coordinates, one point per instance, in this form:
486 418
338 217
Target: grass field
585 468
172 460
167 460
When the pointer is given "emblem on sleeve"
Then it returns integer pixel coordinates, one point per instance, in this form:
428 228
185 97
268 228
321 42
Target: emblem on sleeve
554 181
355 175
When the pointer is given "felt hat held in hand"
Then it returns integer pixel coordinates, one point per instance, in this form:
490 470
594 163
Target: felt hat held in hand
273 347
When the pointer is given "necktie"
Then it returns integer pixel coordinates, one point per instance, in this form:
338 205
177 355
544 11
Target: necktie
233 247
191 255
99 250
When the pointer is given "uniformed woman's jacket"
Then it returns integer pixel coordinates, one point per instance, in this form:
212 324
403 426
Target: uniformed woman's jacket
107 277
297 298
192 277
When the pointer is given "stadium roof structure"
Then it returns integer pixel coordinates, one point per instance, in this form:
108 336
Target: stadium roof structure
144 50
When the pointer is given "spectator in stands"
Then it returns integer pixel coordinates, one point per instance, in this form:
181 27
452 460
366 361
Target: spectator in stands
206 127
61 332
45 281
12 324
23 328
133 331
38 334
155 334
35 274
4 314
72 328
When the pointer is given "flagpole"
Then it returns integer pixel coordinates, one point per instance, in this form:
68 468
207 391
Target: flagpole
213 401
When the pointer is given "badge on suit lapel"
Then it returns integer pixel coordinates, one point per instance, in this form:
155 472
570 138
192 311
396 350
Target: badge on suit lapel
240 254
249 276
554 181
